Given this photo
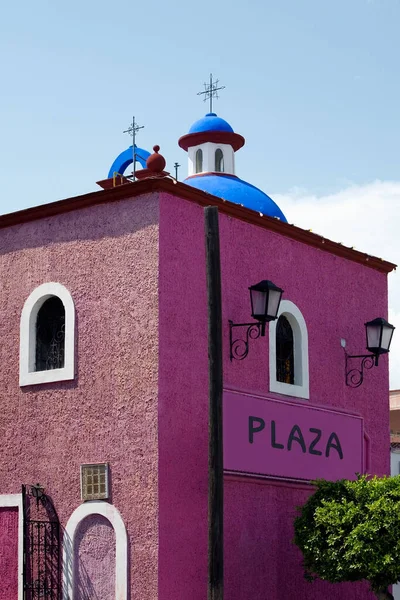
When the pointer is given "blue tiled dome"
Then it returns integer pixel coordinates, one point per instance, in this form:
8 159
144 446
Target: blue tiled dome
211 122
236 190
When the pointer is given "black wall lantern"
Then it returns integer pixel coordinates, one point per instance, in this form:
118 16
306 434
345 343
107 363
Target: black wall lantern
37 491
265 299
379 336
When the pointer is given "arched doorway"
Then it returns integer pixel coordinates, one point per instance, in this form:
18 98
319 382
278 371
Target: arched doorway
95 560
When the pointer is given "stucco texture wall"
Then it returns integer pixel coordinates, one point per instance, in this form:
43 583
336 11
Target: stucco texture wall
336 297
8 553
107 257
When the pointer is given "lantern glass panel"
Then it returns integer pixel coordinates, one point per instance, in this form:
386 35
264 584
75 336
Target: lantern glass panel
259 300
273 303
386 338
373 337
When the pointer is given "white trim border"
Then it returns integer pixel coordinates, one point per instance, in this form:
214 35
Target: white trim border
112 514
27 349
15 501
301 389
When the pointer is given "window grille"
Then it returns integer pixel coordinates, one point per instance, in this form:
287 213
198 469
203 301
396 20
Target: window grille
94 482
50 335
284 351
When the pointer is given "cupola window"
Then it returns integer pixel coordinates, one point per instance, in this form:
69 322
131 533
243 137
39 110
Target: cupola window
219 161
199 161
50 335
284 351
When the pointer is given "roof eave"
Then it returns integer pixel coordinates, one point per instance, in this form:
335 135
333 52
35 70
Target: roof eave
202 198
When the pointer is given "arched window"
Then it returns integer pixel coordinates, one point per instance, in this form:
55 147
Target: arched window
288 352
219 161
50 335
47 336
199 161
284 351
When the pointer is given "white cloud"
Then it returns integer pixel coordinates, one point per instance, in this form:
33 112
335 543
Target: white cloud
366 217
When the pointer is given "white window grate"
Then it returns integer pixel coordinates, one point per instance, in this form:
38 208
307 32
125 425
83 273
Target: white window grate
94 482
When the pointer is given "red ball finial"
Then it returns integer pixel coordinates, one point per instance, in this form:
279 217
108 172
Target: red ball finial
156 162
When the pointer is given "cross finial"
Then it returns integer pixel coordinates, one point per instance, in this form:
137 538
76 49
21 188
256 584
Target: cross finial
211 90
133 129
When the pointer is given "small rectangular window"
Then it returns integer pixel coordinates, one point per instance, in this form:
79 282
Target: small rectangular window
94 482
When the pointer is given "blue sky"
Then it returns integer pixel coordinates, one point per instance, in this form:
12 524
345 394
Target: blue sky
313 86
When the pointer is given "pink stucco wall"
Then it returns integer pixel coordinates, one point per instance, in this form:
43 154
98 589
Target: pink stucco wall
336 297
107 257
8 553
94 559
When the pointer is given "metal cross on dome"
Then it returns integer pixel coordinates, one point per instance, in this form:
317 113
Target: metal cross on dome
133 129
211 91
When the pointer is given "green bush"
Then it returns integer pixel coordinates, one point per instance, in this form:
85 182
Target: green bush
350 531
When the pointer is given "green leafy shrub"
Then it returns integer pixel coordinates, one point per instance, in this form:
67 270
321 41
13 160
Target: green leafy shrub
350 531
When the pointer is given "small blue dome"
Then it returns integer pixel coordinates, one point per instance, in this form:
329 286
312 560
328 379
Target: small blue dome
236 190
211 122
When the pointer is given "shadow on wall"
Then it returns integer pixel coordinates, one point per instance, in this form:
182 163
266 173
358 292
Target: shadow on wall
85 589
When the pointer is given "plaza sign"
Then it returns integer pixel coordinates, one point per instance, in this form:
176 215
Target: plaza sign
284 439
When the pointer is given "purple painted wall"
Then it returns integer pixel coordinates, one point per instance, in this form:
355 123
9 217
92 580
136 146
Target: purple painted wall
8 553
336 297
94 559
107 257
139 400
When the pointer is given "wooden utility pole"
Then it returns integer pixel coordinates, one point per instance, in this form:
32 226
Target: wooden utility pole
215 452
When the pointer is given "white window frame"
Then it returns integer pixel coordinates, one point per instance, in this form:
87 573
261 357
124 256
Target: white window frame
301 387
27 373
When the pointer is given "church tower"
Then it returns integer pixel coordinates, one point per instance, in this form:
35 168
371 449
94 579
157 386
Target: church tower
211 144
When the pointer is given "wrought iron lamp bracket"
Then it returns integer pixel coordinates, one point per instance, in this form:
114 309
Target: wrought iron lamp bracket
355 375
239 347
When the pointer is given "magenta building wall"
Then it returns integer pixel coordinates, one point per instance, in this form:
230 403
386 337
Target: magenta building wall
336 297
136 271
107 257
8 553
